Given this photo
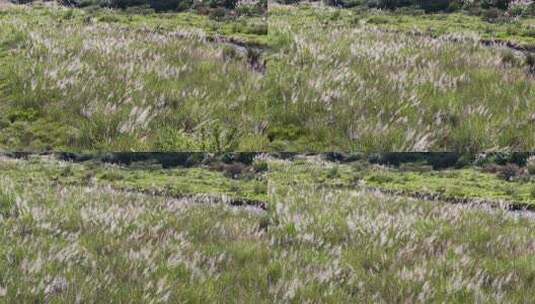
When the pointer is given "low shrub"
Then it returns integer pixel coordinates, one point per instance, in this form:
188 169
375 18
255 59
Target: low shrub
509 172
500 4
434 5
260 166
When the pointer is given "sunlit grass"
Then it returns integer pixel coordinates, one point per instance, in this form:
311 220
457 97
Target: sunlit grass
469 183
340 82
73 243
64 242
352 246
75 80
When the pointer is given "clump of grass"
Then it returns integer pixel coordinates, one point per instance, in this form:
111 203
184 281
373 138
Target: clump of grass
7 202
332 172
260 166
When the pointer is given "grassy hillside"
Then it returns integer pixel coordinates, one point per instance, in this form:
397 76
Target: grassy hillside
344 82
353 246
321 79
108 80
62 241
81 231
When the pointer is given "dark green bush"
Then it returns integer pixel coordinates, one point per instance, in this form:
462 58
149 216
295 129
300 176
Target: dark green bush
229 4
500 4
437 160
434 5
170 5
427 5
126 3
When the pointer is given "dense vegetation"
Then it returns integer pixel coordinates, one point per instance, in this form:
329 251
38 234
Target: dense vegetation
497 7
493 179
217 8
347 80
349 245
321 79
111 81
90 229
239 178
71 232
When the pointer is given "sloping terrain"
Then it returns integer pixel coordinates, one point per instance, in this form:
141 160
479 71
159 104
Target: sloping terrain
344 81
73 79
349 245
86 230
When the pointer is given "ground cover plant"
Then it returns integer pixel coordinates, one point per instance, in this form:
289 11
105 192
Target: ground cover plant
67 235
234 181
508 184
344 81
73 79
62 242
348 245
321 79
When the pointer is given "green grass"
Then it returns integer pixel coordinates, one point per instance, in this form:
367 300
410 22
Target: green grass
520 32
175 182
251 30
340 246
63 241
467 183
86 80
341 82
111 81
69 243
463 183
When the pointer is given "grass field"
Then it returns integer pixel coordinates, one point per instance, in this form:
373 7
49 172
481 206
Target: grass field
70 232
73 79
65 240
346 246
243 183
320 79
357 81
472 183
